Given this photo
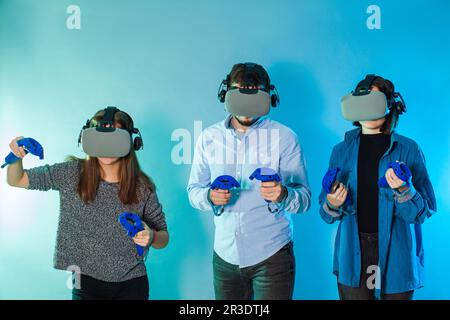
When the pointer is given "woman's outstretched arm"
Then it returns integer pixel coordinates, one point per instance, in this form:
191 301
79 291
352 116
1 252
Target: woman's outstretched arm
15 175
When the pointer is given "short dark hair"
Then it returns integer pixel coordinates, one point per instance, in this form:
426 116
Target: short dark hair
387 87
257 76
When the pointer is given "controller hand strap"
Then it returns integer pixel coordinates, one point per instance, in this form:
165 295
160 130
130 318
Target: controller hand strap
224 182
329 181
30 146
132 223
266 175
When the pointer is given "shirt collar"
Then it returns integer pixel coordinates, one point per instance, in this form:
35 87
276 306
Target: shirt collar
261 121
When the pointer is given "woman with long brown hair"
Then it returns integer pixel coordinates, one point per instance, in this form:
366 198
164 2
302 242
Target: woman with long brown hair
94 192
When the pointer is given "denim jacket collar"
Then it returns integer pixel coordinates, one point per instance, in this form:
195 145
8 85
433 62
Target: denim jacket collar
354 136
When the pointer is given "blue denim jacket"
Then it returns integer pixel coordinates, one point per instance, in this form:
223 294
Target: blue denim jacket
400 215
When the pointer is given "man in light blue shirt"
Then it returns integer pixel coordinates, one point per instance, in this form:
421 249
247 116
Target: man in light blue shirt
253 251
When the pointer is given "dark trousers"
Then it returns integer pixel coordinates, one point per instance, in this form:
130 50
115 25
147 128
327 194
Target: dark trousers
93 289
366 290
271 279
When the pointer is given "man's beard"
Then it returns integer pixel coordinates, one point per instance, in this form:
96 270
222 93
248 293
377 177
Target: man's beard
246 123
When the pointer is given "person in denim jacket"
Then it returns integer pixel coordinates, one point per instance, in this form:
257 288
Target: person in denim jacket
378 250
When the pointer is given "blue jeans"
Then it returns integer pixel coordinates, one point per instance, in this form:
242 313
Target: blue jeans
271 279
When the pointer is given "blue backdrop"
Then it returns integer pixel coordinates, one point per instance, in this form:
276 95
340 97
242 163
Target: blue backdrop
162 61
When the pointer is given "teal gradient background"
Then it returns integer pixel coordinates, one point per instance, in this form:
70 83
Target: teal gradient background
162 61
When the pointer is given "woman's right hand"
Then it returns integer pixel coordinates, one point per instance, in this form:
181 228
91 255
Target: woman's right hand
15 175
338 197
18 151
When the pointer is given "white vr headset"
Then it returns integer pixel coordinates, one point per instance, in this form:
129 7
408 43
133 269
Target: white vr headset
368 106
245 101
113 143
364 104
106 141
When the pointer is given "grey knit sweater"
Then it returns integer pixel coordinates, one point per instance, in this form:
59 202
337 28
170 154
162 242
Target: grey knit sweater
89 235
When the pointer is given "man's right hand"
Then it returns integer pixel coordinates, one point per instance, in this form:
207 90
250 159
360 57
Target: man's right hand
220 197
18 151
338 197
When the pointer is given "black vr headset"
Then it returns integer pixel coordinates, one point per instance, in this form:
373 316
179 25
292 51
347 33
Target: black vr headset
245 101
102 139
364 104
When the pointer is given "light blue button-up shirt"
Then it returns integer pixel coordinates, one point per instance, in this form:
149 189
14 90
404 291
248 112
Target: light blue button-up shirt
247 233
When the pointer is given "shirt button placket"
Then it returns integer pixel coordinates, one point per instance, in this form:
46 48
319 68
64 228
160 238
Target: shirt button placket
239 170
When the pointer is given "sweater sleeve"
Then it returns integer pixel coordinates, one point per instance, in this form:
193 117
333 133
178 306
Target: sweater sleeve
154 216
52 177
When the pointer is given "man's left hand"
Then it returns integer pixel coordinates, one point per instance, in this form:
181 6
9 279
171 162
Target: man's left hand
273 191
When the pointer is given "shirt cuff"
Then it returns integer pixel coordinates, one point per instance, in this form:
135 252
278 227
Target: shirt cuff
289 200
406 195
330 211
214 208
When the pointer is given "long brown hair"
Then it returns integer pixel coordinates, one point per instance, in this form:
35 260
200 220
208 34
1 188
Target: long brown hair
131 177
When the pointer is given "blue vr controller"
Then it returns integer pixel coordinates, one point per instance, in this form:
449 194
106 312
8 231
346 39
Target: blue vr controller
224 182
266 175
30 146
132 224
329 180
401 170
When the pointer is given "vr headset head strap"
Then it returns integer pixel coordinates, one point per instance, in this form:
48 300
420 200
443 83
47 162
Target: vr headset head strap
138 142
248 81
107 119
363 88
